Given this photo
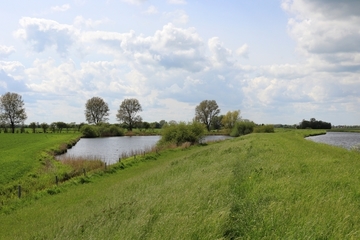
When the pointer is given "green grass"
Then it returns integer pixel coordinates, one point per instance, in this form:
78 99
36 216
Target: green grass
259 186
28 160
21 153
344 130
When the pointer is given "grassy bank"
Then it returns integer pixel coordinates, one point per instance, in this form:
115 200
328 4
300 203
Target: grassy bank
357 130
257 186
27 159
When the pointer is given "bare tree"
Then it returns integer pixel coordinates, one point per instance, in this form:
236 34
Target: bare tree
12 109
96 110
128 111
206 111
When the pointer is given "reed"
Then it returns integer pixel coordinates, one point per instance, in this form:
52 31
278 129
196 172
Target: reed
78 164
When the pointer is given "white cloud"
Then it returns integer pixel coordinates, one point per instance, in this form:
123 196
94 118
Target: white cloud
328 29
151 10
177 1
178 17
134 2
220 53
81 22
44 33
6 51
243 51
62 8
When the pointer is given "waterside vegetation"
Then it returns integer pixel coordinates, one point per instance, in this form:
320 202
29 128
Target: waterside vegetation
255 186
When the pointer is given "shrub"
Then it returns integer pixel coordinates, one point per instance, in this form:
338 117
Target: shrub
179 133
89 131
242 128
116 131
264 129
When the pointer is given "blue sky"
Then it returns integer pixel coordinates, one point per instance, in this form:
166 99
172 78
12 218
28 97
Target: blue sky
277 61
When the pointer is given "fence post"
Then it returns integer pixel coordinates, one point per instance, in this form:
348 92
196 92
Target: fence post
105 166
57 180
84 171
19 191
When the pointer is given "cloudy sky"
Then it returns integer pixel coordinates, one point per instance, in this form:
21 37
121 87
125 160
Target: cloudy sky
278 61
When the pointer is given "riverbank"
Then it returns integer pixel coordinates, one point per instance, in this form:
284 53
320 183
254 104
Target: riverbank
275 185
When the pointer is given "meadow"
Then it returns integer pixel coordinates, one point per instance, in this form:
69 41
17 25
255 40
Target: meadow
29 159
258 186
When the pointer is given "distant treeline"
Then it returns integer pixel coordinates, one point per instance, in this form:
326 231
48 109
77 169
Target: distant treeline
314 124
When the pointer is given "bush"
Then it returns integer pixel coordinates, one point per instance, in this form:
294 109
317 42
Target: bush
101 130
264 129
179 133
116 131
242 128
89 131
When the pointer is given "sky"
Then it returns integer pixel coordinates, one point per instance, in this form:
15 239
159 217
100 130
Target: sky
277 61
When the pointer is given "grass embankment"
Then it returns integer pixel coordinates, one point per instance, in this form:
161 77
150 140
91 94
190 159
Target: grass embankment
28 159
356 130
257 186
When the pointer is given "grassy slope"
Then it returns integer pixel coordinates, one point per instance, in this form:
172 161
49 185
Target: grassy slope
19 153
258 186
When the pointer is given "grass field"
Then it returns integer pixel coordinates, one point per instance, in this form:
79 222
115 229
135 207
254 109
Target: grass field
259 186
27 159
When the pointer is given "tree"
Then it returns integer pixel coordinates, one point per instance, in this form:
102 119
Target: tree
96 110
206 111
217 122
44 127
12 109
230 119
60 126
33 126
53 127
128 111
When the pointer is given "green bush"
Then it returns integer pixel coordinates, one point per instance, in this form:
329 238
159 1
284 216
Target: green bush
89 131
242 128
116 131
264 129
179 133
101 130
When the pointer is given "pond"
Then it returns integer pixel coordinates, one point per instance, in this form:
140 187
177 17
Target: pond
110 149
340 139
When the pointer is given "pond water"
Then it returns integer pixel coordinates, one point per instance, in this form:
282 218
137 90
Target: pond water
110 149
340 139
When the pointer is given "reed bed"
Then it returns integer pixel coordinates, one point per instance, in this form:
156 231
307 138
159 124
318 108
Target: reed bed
78 164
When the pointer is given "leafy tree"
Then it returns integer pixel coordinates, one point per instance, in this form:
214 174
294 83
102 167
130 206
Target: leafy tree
206 111
314 124
162 123
53 127
12 109
44 127
60 126
128 111
146 125
217 122
230 119
33 126
96 110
